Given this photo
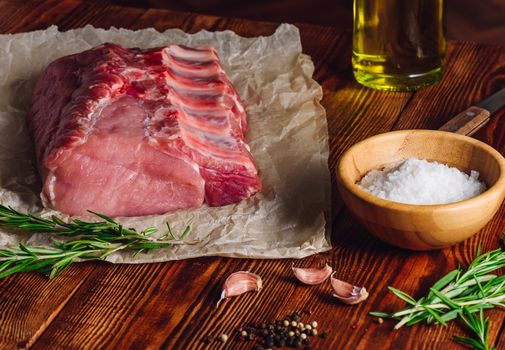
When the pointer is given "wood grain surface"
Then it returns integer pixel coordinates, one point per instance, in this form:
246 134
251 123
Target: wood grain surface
479 21
172 305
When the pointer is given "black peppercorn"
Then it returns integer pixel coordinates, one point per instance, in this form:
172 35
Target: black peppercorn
290 341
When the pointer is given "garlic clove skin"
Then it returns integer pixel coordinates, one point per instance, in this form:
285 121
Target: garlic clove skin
348 293
239 283
312 276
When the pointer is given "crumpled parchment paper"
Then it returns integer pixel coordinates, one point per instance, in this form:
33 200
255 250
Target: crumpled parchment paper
287 134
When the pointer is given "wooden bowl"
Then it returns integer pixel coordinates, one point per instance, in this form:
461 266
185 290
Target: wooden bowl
422 227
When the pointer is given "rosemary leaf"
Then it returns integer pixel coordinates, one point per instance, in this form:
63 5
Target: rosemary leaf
402 295
479 328
184 233
444 281
469 341
435 315
444 298
106 218
379 314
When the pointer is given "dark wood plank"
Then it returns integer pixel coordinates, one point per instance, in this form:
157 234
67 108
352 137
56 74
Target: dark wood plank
479 21
23 16
120 296
95 13
30 303
172 305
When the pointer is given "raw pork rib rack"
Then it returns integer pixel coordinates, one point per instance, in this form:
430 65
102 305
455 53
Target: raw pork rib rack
130 132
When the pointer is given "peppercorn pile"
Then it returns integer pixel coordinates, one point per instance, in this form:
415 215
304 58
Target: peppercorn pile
289 332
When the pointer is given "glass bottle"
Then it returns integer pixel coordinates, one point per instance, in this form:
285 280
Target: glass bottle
398 45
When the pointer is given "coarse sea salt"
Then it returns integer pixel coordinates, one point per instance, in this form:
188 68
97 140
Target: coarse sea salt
417 181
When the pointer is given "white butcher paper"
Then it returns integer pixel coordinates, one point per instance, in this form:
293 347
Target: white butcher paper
287 134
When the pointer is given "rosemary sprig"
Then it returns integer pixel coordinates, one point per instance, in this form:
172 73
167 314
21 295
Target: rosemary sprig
474 289
479 328
459 294
89 240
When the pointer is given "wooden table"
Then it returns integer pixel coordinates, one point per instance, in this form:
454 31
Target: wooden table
172 305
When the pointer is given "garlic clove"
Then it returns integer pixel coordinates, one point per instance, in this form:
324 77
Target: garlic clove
312 275
239 283
348 293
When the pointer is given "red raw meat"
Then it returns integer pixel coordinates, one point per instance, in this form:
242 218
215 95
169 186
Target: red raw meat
129 132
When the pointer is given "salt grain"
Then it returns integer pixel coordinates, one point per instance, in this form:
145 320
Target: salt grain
416 181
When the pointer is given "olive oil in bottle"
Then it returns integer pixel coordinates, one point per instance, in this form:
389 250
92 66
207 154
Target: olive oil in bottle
398 45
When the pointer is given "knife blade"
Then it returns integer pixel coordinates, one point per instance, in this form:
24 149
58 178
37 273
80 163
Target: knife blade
475 117
494 102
